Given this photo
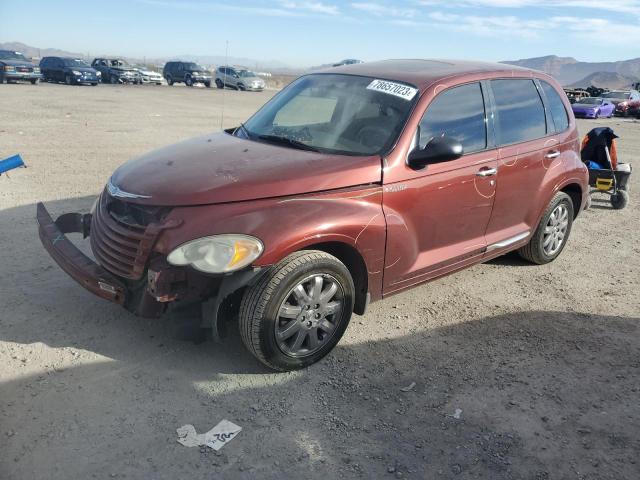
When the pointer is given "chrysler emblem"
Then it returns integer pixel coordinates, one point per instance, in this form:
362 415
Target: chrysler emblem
115 191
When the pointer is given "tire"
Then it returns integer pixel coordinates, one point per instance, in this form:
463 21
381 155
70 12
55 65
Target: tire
188 81
113 80
536 251
35 81
240 87
94 84
597 114
169 80
2 80
207 84
619 200
264 301
67 79
219 83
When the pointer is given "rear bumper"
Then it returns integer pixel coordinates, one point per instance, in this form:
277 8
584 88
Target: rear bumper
77 265
22 75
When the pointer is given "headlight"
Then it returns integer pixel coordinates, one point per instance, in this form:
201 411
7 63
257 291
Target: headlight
76 72
9 68
218 253
99 74
36 69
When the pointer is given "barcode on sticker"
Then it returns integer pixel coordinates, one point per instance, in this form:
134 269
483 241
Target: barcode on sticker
392 88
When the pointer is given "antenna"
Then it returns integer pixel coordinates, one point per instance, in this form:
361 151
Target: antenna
224 83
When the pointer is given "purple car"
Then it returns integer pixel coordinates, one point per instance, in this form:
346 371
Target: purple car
593 107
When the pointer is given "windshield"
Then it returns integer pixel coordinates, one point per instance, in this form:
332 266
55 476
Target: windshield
6 54
616 95
75 62
331 113
193 66
119 63
591 101
246 73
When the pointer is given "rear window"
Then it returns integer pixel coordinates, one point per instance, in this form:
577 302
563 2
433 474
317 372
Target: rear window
520 112
457 113
556 107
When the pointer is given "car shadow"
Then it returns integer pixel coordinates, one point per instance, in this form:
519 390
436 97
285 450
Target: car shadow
529 394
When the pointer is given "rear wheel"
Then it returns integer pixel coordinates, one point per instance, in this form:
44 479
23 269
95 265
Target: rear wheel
552 233
298 310
169 80
67 79
219 83
619 200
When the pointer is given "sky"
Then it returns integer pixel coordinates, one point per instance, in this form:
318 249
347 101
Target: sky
305 33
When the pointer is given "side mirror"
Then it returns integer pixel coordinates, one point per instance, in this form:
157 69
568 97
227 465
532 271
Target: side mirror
439 149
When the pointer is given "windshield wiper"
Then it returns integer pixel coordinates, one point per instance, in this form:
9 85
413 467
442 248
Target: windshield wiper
288 141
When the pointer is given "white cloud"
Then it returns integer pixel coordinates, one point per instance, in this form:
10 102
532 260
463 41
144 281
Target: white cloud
618 6
384 11
314 7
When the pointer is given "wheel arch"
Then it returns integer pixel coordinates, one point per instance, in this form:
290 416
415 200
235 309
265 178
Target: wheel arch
575 193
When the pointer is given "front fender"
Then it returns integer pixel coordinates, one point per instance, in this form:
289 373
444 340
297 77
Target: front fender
352 216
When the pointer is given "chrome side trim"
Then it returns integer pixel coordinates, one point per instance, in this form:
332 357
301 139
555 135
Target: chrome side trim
508 241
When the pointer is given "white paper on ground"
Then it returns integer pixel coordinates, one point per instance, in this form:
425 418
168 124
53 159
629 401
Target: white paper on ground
215 438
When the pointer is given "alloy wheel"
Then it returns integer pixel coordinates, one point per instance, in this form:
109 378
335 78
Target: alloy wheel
555 230
309 315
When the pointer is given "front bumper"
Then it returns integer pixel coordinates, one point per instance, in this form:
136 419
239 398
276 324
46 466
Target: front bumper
78 266
153 294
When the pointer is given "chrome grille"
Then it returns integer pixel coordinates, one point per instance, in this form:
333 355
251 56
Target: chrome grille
119 244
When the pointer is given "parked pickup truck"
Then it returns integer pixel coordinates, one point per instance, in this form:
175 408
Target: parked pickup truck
349 186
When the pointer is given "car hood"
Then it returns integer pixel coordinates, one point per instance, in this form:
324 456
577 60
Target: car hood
148 72
82 69
123 69
221 168
585 106
16 63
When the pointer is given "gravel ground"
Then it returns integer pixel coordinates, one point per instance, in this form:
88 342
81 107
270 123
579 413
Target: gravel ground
516 371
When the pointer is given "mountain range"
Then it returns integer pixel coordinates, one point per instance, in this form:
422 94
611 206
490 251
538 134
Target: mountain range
571 72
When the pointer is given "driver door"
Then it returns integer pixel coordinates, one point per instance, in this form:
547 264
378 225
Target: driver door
438 216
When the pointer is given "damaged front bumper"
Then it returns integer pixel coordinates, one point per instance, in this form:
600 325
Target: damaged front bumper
162 286
78 266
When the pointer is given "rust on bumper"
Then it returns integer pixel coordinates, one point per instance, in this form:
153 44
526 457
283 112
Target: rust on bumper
77 265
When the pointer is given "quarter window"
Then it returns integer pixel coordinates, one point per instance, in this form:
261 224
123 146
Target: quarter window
556 107
520 113
457 113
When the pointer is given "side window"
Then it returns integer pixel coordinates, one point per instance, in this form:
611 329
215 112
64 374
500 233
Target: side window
457 113
520 113
556 107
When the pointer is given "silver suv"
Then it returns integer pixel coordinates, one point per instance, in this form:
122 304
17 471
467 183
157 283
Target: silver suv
239 78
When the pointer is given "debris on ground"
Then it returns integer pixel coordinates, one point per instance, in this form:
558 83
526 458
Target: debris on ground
215 438
457 414
409 387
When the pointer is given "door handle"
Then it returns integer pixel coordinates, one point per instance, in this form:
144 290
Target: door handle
486 172
552 154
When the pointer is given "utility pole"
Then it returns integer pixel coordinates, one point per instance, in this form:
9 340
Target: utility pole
224 83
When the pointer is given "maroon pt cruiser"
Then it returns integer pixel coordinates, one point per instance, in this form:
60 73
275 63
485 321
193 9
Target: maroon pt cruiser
348 186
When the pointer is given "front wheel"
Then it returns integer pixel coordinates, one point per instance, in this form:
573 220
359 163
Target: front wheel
552 232
219 83
35 81
188 81
207 84
298 310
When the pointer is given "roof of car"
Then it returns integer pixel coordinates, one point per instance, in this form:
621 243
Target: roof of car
422 73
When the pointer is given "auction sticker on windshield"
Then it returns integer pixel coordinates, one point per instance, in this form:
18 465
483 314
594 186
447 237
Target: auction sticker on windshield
392 88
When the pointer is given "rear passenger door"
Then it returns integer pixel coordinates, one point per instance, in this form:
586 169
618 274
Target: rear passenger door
528 147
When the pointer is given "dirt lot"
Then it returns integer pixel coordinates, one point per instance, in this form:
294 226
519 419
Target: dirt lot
542 361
